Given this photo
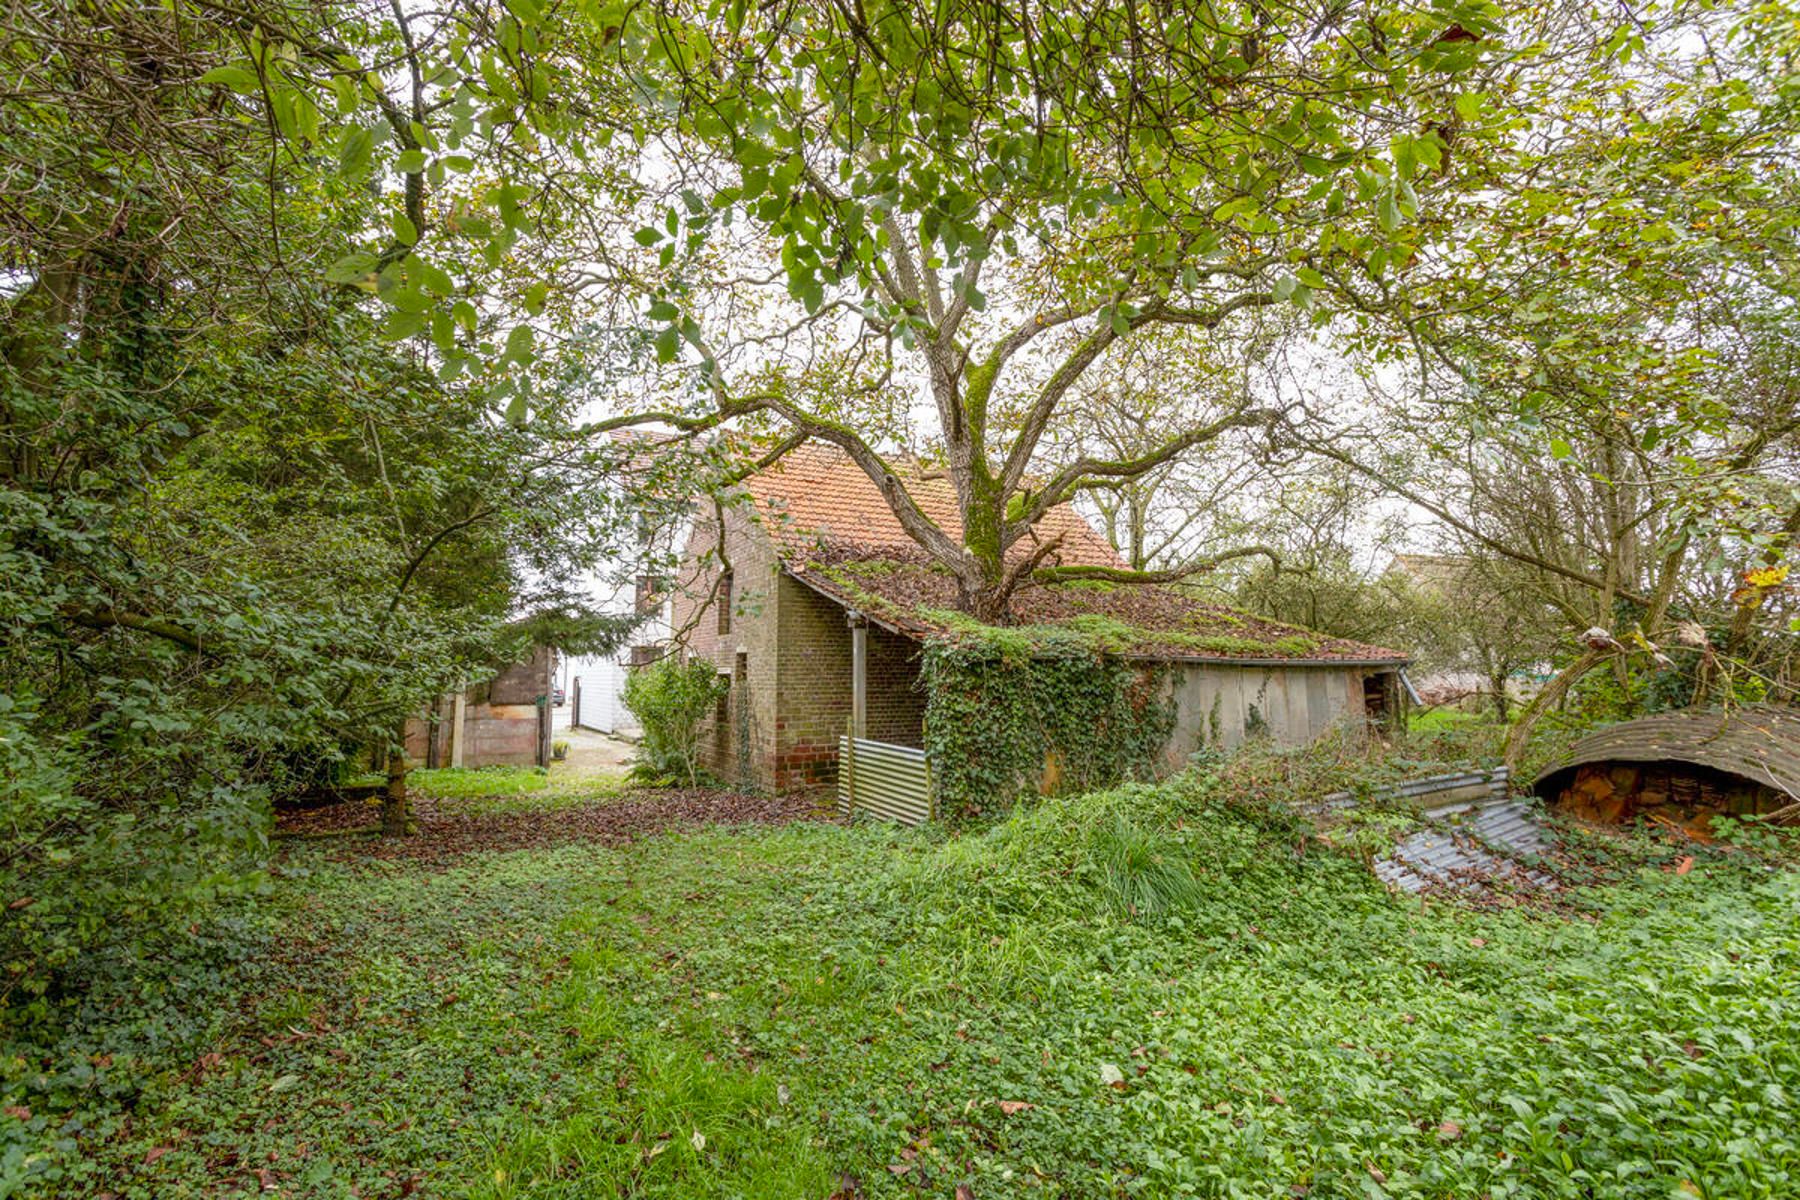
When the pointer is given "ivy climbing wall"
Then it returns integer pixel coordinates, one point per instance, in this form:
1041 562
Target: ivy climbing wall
1001 725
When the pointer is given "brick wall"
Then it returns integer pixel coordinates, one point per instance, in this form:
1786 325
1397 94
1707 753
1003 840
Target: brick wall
896 695
814 686
788 650
741 748
814 691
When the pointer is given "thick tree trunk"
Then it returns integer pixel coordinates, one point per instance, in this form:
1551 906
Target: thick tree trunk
395 812
989 605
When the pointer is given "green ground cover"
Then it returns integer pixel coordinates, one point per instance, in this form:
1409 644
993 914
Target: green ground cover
1155 991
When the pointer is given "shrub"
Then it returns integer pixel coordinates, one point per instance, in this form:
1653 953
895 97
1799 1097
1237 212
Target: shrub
670 699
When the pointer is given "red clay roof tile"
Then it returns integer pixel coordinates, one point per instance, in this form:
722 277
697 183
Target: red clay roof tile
816 500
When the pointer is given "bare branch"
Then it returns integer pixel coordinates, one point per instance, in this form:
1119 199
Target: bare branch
1088 472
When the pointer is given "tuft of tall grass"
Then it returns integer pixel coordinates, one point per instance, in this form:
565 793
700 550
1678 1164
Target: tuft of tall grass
1145 873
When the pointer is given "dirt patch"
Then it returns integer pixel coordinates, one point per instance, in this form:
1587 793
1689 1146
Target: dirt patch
444 832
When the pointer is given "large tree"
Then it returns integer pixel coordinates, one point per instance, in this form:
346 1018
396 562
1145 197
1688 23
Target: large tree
984 204
1590 382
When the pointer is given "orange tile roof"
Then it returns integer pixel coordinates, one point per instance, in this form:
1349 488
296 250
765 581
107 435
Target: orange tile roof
817 501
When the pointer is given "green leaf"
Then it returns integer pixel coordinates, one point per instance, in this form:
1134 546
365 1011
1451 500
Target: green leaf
238 79
352 268
668 344
432 277
345 92
663 310
354 151
1468 105
647 236
1387 212
1559 449
405 232
1233 208
519 342
535 296
410 162
409 300
402 325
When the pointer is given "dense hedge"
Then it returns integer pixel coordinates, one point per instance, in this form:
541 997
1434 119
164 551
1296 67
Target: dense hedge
999 708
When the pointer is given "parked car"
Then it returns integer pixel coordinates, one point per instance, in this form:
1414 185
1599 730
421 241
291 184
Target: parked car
557 697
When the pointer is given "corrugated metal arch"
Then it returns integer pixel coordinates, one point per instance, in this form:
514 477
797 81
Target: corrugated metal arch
1758 744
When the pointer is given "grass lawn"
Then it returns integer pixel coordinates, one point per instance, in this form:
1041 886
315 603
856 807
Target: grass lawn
509 789
1446 719
1149 992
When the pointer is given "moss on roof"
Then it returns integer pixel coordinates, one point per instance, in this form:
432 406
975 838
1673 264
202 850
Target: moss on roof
1129 620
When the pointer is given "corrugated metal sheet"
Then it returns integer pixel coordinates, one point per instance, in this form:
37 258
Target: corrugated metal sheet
883 780
1469 846
1433 792
1760 744
1475 834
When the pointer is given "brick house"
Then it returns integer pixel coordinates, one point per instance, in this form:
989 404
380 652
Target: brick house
809 569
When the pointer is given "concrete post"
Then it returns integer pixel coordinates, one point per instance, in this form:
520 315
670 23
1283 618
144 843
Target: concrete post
859 675
458 729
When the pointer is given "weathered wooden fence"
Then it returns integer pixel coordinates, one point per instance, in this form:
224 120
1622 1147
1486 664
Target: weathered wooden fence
883 780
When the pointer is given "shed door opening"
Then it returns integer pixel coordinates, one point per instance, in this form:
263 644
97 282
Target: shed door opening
1375 697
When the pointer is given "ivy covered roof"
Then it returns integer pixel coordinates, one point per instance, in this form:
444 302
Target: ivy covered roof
913 597
834 530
